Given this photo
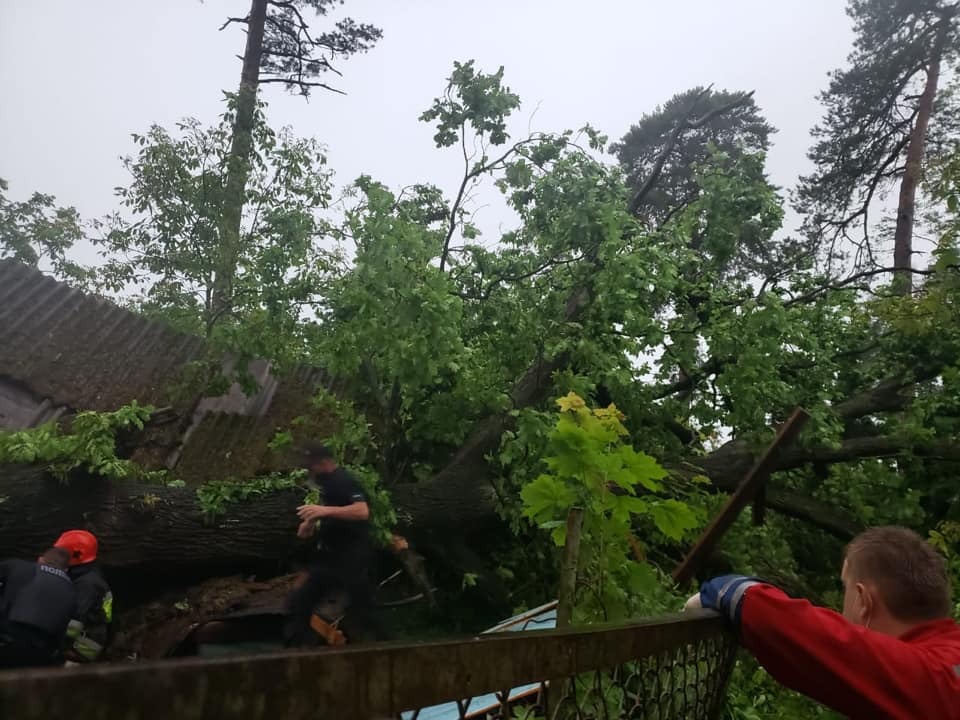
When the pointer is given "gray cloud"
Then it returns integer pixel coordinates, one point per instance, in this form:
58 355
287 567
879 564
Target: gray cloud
78 78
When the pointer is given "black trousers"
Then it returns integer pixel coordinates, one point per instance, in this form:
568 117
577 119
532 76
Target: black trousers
343 570
26 647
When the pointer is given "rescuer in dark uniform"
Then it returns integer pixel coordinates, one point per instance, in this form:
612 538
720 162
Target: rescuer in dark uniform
89 630
346 549
37 601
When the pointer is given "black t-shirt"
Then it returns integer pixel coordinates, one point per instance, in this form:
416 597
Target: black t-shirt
340 488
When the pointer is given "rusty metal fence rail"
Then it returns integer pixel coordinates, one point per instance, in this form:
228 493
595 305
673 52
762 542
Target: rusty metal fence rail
672 667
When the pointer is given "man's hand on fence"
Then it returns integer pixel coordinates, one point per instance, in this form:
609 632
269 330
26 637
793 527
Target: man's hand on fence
693 603
724 594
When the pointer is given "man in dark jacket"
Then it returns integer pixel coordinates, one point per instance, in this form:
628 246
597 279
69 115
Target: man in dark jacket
37 601
346 548
90 628
894 652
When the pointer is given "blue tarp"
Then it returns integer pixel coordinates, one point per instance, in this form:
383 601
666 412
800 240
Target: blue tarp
541 618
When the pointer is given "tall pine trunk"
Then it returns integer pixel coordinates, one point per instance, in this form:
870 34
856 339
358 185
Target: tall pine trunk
238 166
906 208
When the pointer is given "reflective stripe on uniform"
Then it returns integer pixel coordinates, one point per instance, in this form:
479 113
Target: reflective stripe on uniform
75 629
83 645
737 598
87 648
108 606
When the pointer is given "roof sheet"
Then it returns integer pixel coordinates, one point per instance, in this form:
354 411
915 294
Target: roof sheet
62 350
82 351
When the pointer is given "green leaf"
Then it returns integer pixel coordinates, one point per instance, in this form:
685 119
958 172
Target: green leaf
546 498
469 580
645 470
673 518
550 524
641 578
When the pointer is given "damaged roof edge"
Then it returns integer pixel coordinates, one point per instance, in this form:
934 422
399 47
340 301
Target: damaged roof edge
62 350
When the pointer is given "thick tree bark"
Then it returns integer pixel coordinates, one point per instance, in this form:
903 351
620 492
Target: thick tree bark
906 209
142 524
164 527
238 167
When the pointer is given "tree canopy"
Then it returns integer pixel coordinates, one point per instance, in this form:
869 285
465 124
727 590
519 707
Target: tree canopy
628 344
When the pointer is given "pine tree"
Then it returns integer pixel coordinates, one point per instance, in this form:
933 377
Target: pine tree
739 129
883 111
280 48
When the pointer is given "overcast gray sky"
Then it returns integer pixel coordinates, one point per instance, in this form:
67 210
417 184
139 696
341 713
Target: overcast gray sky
79 77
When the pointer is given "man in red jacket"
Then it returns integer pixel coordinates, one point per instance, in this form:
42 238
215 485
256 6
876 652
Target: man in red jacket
893 653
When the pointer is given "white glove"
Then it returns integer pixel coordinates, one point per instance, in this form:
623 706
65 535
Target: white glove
693 603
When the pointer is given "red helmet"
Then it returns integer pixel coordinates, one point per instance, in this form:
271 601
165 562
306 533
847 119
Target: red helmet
81 545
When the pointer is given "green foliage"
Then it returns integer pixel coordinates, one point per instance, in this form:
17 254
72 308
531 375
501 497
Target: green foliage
40 233
754 695
90 444
392 319
871 109
943 184
703 326
382 516
946 538
213 497
162 248
591 466
476 99
282 440
351 439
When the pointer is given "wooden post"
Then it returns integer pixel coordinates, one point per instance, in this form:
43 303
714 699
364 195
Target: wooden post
568 567
558 687
744 494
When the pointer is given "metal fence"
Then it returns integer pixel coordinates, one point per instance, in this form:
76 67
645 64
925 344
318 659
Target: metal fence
674 667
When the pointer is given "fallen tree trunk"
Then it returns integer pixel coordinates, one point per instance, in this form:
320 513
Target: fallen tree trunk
142 524
163 528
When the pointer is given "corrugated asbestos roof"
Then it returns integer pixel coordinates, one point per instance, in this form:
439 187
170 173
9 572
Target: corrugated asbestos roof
63 351
81 351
